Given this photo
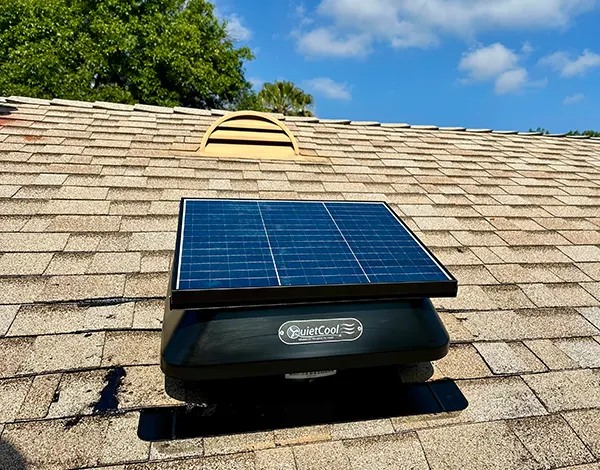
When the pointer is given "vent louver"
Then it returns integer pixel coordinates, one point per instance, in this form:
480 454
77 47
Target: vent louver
249 134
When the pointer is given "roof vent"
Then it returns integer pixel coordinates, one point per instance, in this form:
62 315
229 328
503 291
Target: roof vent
249 134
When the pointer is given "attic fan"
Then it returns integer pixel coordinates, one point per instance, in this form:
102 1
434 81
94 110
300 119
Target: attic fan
266 288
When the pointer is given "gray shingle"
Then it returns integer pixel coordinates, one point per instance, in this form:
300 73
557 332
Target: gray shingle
566 390
586 424
385 453
551 441
475 446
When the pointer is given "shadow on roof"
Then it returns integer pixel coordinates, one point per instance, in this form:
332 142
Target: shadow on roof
243 406
6 109
10 457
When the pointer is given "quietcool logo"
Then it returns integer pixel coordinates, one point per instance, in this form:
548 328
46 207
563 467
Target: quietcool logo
320 331
294 332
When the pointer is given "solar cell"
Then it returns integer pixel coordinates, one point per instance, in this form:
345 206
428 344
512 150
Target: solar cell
385 249
308 248
224 245
299 251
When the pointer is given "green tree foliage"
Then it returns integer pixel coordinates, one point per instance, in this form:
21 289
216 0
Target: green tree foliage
285 98
163 52
540 129
546 131
590 133
249 100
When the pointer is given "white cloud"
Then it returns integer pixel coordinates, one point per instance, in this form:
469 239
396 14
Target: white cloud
557 60
576 98
324 42
527 48
570 68
498 63
236 30
301 16
235 27
329 88
488 62
410 23
410 36
511 81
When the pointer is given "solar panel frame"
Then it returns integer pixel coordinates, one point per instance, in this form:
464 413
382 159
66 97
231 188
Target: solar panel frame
234 297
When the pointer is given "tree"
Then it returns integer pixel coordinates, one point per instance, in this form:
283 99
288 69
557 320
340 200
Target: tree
306 102
285 98
162 52
589 133
248 100
540 129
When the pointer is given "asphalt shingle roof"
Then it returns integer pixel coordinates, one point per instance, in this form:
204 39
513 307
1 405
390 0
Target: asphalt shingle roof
88 208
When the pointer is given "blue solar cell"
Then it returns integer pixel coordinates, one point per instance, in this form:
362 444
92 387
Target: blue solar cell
382 245
231 244
224 245
308 249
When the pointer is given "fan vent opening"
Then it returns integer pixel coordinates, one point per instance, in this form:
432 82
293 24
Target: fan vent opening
249 134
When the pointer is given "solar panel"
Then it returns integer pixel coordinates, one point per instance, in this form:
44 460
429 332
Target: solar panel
257 252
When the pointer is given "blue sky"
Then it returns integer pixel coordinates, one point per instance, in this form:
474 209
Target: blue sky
501 64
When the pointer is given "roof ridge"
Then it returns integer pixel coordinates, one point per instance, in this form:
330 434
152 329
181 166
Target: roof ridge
309 120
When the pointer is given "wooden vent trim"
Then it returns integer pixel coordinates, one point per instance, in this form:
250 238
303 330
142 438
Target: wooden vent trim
249 134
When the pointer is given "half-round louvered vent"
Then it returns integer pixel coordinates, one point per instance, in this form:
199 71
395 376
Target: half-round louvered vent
248 133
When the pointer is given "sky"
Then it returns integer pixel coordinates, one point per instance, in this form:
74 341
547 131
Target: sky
499 64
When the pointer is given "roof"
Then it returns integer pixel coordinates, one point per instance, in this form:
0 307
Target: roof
89 195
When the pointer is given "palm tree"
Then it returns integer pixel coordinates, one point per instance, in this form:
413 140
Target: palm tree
285 98
277 97
306 102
